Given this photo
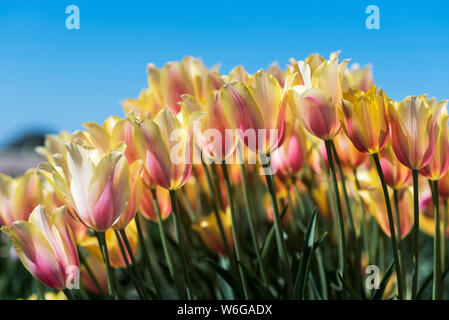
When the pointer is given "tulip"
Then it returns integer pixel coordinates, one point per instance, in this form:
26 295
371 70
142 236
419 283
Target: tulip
374 201
443 186
258 107
96 188
238 74
215 136
288 160
19 196
147 205
349 156
168 160
209 232
46 247
364 119
439 163
50 296
396 174
357 78
189 76
145 106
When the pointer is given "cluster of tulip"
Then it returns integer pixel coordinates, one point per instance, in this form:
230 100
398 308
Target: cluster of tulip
335 183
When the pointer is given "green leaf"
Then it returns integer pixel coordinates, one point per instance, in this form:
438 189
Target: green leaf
227 276
268 244
304 266
383 284
347 287
262 291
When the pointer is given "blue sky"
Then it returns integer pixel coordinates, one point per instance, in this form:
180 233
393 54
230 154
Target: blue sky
53 78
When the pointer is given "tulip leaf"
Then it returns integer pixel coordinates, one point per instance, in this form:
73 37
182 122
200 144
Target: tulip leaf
270 239
228 276
378 294
347 287
427 281
304 266
262 291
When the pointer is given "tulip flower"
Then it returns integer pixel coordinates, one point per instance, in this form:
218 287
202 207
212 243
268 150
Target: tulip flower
349 156
145 106
238 74
396 174
19 196
50 296
209 232
357 78
439 163
257 109
374 200
364 119
413 130
288 160
215 136
189 76
147 205
443 186
166 147
96 188
46 247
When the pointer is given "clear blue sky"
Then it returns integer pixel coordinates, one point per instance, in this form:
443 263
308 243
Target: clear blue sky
54 78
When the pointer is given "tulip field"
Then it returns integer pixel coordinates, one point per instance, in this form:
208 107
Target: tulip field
304 182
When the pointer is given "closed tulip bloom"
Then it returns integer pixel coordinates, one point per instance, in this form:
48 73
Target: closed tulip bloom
190 76
357 78
374 200
97 267
46 247
135 196
215 136
365 121
439 163
316 112
147 205
413 125
146 106
349 156
289 159
258 110
396 174
167 147
19 196
209 232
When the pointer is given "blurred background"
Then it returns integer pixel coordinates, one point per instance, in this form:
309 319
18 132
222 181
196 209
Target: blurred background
53 78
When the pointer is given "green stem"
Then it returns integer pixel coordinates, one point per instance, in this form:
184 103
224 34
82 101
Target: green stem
39 289
436 292
68 294
398 230
104 251
167 253
364 223
341 227
176 219
234 232
146 256
282 247
415 233
137 284
251 225
391 223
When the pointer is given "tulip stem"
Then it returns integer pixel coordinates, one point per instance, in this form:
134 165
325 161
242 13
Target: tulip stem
443 239
104 251
341 227
282 247
436 292
132 273
234 232
251 221
364 224
415 232
399 238
146 257
68 294
216 212
39 289
178 231
391 223
167 253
